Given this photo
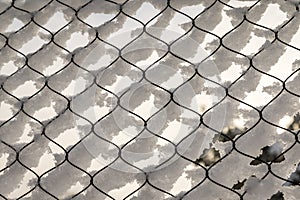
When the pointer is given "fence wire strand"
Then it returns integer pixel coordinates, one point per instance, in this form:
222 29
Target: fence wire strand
47 84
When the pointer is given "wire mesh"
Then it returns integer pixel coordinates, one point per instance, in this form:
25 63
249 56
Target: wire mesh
258 160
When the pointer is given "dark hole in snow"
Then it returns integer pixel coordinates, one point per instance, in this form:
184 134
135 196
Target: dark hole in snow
239 185
277 196
295 125
269 154
229 133
209 157
294 178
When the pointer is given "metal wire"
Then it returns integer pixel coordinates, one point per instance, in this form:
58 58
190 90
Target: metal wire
21 103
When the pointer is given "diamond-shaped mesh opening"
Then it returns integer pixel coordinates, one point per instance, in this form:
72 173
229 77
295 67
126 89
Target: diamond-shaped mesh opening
156 99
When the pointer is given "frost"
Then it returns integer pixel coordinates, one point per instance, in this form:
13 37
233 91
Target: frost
205 123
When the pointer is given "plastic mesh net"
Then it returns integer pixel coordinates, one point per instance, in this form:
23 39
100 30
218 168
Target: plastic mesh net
219 124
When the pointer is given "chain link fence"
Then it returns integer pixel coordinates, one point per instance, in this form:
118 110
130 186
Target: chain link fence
132 99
